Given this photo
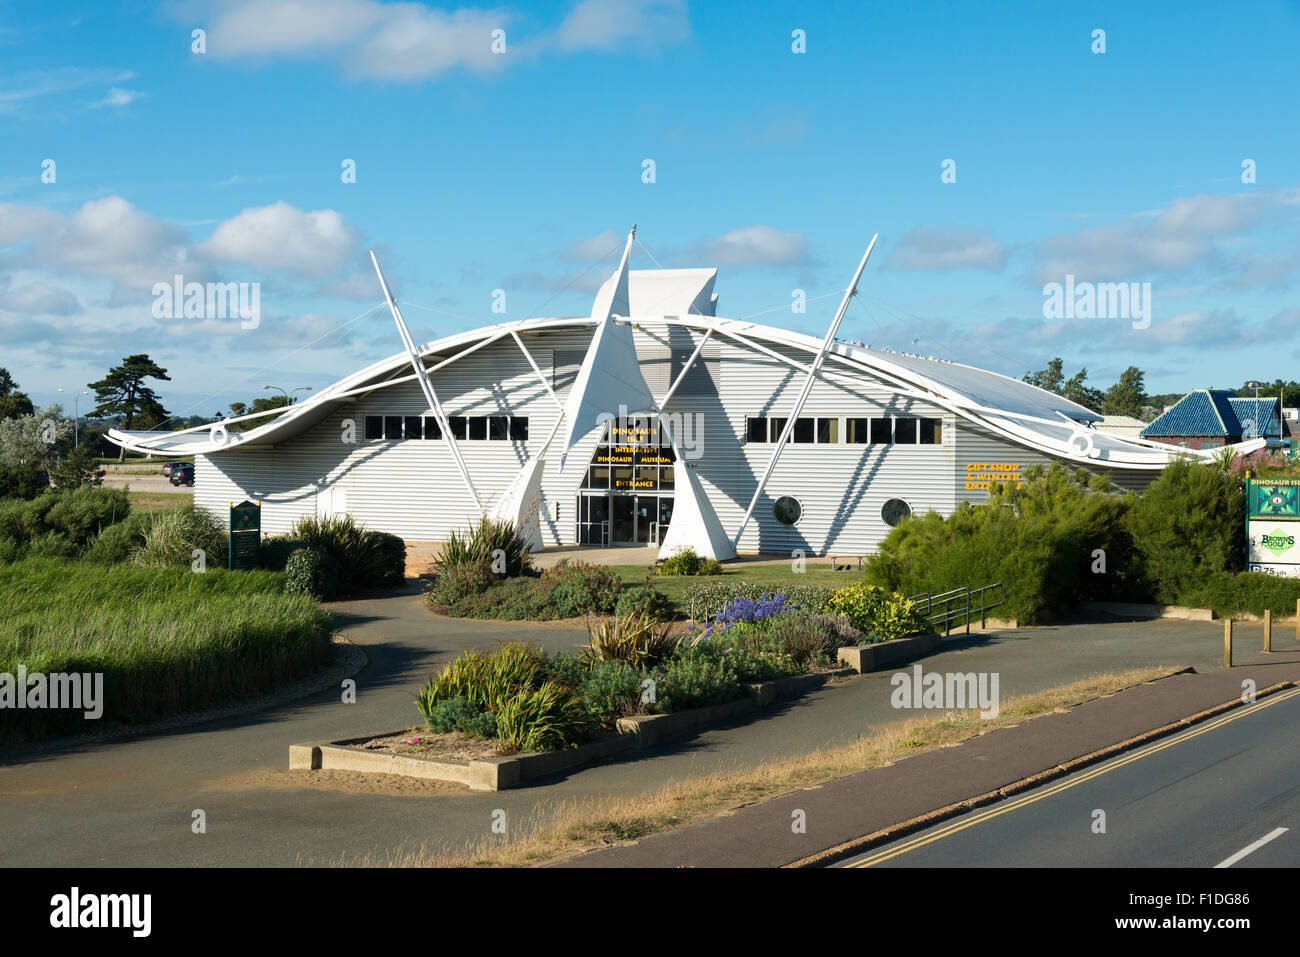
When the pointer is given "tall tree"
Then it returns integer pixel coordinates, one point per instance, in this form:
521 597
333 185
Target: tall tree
123 392
1052 378
1127 396
12 402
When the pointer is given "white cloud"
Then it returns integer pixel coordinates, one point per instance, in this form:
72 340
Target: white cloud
281 237
755 246
925 248
597 247
612 24
38 299
111 238
1185 235
409 41
120 97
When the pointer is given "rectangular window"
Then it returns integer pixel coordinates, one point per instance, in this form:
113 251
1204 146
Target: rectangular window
828 430
411 427
519 428
374 427
905 430
432 430
477 427
756 429
803 430
457 424
498 427
882 431
932 431
859 431
392 426
776 427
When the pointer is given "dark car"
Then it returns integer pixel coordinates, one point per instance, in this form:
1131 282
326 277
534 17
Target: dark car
182 473
167 468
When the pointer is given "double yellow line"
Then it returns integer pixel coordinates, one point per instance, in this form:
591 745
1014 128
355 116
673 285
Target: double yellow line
1072 781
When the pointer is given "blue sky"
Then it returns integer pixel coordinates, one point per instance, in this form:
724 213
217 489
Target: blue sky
517 171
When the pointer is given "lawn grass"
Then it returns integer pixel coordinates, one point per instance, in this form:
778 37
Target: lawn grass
561 829
159 500
816 572
167 640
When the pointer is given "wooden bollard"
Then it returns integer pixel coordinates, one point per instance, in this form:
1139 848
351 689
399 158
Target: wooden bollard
1268 629
1227 642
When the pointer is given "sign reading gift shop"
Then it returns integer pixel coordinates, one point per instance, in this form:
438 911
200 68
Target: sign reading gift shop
1273 526
980 475
245 536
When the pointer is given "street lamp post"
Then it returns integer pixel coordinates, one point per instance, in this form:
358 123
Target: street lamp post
76 418
288 395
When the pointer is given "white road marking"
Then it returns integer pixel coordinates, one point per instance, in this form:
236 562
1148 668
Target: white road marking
1252 848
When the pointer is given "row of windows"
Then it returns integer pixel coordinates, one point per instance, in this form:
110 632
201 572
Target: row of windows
883 430
499 428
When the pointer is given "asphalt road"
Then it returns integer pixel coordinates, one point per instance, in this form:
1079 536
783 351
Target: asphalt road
1222 793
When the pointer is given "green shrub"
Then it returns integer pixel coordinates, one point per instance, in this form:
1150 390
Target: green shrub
114 545
515 599
684 562
568 669
872 608
486 680
1188 521
83 512
1039 540
11 549
494 543
52 545
458 714
457 582
20 481
694 678
1247 592
643 599
312 573
174 535
612 690
707 599
365 558
580 588
275 551
710 566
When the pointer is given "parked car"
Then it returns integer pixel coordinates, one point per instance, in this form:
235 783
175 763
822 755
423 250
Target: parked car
167 468
182 473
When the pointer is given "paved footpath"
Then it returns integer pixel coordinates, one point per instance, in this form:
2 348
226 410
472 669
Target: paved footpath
844 810
130 802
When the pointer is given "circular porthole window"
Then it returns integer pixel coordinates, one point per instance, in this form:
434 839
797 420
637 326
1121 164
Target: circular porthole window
787 510
894 511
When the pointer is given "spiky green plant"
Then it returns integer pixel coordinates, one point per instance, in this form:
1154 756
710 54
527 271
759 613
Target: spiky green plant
637 639
545 718
494 543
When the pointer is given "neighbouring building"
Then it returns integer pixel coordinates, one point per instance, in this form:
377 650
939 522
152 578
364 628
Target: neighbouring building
1209 419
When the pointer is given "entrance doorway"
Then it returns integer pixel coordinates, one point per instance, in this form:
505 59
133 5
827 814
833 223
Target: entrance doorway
614 518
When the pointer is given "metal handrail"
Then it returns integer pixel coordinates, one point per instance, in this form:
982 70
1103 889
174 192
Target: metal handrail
962 598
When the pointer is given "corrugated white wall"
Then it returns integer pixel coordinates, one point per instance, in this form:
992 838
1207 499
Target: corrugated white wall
412 488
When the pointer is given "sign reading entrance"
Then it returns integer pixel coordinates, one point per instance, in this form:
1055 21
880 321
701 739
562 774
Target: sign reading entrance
245 536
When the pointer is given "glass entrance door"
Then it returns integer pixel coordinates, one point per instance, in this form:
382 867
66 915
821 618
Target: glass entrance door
622 525
647 519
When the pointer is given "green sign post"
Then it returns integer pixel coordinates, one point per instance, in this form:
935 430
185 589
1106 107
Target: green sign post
245 535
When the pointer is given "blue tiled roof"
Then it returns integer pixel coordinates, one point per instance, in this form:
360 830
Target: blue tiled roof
1216 412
